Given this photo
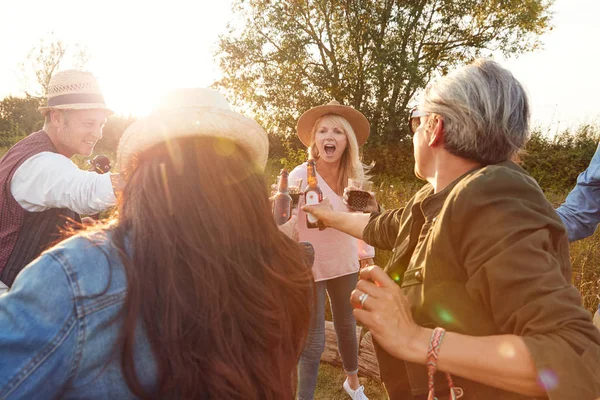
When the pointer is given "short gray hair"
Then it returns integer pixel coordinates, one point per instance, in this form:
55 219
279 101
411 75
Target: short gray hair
485 110
48 118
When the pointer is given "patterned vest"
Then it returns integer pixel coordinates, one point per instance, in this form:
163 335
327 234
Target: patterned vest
24 235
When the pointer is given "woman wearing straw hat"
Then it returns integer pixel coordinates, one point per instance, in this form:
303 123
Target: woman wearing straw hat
40 188
333 134
192 292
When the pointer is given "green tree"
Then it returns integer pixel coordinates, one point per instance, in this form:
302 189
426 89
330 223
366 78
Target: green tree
19 115
281 57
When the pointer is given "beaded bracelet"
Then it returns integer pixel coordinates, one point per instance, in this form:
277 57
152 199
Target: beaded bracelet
432 356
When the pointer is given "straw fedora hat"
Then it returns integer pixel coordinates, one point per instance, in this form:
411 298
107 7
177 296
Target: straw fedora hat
187 113
357 121
74 90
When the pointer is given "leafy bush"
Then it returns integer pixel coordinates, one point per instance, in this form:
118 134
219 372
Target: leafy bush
555 162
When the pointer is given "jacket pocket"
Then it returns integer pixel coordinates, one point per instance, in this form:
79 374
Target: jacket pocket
413 277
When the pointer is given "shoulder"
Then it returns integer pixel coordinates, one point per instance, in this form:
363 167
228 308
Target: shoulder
92 262
45 163
299 171
44 285
505 190
50 159
83 246
505 179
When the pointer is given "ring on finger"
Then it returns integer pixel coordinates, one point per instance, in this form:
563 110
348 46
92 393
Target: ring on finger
362 298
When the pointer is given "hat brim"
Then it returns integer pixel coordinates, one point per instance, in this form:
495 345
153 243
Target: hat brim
355 118
166 125
83 106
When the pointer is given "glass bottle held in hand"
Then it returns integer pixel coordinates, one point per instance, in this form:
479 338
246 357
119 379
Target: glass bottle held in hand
312 193
282 201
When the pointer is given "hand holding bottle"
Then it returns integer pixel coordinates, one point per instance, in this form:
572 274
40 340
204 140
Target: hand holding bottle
312 195
319 212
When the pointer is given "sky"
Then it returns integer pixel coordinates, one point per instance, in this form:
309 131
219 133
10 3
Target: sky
139 49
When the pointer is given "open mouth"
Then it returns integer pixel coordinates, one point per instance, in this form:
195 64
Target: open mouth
329 149
90 142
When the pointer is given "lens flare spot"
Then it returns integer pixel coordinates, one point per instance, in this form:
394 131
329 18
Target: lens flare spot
396 277
224 147
507 350
444 314
547 379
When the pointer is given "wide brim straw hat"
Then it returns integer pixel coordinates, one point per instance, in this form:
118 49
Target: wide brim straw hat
357 120
192 113
74 90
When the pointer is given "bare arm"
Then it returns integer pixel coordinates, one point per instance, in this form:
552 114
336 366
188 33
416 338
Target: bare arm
351 223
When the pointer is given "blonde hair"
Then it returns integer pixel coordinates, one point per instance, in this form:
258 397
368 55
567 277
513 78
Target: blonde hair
350 166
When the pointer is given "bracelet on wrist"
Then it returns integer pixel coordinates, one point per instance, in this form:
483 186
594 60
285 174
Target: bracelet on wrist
435 342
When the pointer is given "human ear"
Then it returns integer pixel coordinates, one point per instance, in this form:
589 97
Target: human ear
436 125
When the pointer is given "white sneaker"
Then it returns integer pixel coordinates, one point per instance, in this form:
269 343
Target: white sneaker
358 394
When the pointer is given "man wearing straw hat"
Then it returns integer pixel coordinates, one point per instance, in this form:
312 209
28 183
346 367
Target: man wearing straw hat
41 189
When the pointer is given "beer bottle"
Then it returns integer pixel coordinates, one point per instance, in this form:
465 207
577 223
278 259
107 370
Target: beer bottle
282 201
312 193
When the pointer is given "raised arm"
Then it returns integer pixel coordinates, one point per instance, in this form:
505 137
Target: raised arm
351 223
49 180
580 212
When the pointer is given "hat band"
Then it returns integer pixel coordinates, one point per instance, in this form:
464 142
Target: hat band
76 98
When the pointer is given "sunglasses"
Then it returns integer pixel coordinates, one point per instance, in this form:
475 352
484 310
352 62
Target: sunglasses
414 119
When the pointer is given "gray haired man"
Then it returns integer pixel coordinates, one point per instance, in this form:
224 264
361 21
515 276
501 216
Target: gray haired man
479 255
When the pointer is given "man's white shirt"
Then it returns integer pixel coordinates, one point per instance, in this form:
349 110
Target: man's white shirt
50 180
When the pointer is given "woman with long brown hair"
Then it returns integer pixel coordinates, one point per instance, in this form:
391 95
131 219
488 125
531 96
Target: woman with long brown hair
190 292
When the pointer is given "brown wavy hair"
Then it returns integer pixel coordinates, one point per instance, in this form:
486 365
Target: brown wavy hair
222 294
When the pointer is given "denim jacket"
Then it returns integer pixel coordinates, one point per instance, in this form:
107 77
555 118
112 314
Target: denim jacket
581 210
56 336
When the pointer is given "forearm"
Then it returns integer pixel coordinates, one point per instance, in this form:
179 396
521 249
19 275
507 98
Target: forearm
501 361
53 181
351 223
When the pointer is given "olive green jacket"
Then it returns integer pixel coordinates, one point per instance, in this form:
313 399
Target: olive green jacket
488 255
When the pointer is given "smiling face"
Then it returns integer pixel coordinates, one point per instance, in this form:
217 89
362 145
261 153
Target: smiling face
330 139
78 131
